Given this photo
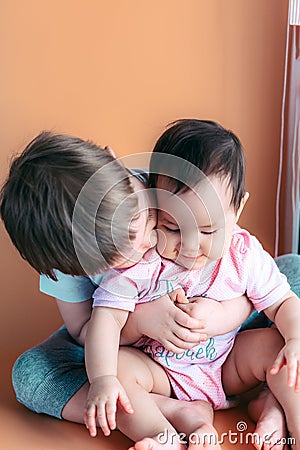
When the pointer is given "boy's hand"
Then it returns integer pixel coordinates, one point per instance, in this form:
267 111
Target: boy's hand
164 322
289 355
205 309
104 394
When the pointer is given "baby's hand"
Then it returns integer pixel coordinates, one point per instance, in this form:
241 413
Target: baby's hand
104 394
289 355
178 296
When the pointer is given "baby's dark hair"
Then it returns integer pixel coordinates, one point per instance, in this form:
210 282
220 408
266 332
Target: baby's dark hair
38 200
199 144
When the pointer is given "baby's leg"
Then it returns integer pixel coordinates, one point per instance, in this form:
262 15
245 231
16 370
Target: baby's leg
194 419
147 426
268 415
250 362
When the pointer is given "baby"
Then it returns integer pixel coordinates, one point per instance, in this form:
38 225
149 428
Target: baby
198 171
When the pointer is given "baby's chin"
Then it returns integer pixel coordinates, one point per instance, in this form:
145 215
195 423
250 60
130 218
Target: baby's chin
188 263
196 264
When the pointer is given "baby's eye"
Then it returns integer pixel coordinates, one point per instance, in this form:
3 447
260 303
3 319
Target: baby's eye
208 233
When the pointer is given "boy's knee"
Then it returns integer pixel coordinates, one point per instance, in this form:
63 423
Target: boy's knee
289 265
28 375
48 375
25 379
33 380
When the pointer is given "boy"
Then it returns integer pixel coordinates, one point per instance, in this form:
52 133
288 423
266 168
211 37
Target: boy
37 205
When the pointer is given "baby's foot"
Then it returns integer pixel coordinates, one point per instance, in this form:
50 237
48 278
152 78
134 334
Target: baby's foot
204 437
270 422
153 444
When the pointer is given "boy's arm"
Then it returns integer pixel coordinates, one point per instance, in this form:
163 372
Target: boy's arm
159 319
101 359
286 315
221 317
76 317
163 321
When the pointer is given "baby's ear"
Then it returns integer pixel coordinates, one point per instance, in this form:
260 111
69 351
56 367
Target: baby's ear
243 203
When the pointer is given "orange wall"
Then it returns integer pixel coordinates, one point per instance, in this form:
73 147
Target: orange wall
117 72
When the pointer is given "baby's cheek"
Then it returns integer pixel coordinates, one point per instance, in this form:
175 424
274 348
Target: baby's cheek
219 246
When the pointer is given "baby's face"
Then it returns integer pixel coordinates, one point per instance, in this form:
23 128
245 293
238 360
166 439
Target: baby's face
195 226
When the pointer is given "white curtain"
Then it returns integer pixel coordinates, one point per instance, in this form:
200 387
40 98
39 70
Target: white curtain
288 195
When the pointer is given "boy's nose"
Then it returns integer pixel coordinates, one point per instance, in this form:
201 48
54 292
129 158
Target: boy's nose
153 238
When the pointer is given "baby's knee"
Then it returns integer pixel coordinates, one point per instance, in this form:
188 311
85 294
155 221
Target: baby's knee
274 336
271 341
134 368
262 342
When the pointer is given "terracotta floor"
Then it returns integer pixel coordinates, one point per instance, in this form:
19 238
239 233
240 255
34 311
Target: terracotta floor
21 429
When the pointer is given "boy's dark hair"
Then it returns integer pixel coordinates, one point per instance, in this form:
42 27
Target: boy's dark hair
199 144
38 199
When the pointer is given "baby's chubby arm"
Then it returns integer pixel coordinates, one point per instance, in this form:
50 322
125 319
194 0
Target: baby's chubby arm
101 360
286 315
163 321
220 316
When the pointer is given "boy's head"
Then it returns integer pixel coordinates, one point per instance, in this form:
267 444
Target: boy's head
198 169
63 197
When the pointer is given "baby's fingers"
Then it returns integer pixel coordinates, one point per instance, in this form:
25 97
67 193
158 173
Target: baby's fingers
297 384
278 364
125 403
102 419
178 295
111 408
90 419
292 367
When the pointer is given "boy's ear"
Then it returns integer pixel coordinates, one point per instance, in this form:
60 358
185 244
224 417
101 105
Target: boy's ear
113 154
110 151
243 203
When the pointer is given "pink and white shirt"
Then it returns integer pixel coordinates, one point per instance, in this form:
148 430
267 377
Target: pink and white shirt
246 269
